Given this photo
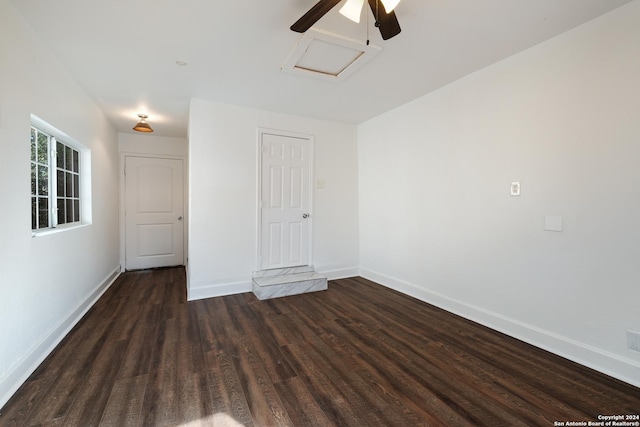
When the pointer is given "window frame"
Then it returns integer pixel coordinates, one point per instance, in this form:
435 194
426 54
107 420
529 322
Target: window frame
56 137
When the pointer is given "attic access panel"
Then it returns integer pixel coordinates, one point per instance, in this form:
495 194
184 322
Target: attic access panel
328 56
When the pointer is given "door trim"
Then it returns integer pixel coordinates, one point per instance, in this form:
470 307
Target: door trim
262 131
185 184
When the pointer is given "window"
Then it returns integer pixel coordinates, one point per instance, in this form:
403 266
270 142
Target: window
55 180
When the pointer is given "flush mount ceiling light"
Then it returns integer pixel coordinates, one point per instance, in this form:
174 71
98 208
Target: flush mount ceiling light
142 125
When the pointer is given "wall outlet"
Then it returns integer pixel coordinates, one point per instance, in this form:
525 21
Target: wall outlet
633 340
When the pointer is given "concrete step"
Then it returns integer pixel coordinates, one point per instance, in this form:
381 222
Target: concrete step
288 284
284 271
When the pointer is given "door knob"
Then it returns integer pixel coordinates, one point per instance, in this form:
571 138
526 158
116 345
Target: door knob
179 218
305 215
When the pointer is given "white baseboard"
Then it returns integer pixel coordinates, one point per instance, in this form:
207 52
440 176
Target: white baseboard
19 373
217 290
203 291
624 369
341 273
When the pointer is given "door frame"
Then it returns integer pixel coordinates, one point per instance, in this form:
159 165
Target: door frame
262 131
185 185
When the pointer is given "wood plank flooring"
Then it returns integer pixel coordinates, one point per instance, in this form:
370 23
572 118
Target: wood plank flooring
356 355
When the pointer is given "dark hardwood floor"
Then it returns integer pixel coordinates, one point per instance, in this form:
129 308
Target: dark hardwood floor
355 355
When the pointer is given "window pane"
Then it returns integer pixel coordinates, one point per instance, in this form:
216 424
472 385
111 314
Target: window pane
34 180
34 213
33 144
43 181
60 155
68 158
43 148
76 161
69 210
60 183
68 179
76 185
61 211
43 212
55 180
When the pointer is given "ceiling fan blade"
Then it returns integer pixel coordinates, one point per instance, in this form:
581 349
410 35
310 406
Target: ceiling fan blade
313 15
387 22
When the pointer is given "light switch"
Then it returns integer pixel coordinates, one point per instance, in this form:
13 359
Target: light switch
319 183
552 223
515 188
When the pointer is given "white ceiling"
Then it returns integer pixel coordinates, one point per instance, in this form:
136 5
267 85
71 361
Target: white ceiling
124 52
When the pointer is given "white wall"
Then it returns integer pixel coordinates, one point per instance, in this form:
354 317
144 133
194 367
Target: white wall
223 151
437 221
152 145
47 282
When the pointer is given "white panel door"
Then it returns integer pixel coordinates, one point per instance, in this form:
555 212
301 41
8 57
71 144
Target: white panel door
154 209
285 200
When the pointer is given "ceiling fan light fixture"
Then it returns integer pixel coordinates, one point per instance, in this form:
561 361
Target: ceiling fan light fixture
352 9
389 5
387 23
142 125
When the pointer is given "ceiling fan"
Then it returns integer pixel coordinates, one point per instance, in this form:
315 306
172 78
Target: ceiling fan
386 20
